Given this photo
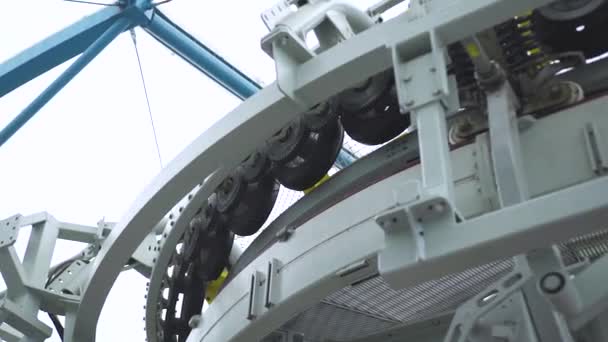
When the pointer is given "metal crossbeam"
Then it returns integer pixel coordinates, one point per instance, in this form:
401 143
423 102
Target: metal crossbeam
55 50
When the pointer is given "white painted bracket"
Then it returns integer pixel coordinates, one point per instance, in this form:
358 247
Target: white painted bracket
9 230
272 16
13 314
256 294
71 280
421 76
332 22
405 230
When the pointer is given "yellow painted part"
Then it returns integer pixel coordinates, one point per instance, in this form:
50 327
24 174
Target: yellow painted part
526 33
323 180
214 287
534 51
523 24
472 50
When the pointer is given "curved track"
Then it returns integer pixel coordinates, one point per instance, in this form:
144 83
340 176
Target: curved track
220 149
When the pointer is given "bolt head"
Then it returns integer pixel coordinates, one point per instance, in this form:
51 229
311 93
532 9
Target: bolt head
552 282
194 321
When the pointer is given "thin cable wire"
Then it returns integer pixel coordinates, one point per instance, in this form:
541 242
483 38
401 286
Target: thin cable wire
91 2
143 81
161 2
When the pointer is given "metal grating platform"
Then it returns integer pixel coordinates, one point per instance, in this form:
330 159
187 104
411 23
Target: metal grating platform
372 306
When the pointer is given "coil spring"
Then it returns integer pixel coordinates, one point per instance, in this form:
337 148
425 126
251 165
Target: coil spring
521 48
461 66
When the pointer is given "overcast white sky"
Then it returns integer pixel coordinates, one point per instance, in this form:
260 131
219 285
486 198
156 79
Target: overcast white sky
89 152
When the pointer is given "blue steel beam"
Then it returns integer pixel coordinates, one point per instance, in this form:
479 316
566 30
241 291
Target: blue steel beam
56 49
200 56
87 56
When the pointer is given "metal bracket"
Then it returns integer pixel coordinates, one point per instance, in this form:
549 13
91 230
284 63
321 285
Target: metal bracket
423 86
405 230
596 149
14 315
288 51
505 145
9 230
146 254
285 233
272 278
272 16
256 289
421 77
331 21
470 313
71 280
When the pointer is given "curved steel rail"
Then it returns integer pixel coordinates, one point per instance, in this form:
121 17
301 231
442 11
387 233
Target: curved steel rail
229 141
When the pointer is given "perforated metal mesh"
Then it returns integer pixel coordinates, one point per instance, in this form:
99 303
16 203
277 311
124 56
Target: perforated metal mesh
372 306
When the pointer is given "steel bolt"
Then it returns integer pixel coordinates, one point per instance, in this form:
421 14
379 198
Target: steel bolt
552 282
194 321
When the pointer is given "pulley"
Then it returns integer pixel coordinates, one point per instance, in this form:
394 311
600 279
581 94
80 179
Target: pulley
370 112
210 242
245 205
578 25
305 150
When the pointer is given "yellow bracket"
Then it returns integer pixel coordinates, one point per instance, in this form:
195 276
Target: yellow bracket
214 287
323 180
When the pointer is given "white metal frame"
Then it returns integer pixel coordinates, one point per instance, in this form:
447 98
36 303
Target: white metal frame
222 147
405 39
310 268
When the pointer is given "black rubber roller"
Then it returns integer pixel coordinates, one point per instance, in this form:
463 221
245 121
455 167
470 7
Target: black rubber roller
370 112
245 206
255 166
213 257
566 26
302 153
210 242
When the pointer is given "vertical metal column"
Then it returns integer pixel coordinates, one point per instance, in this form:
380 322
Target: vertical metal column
435 159
118 27
505 146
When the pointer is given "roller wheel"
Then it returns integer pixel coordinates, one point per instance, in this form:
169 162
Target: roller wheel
230 192
213 257
245 206
579 26
305 155
370 112
255 166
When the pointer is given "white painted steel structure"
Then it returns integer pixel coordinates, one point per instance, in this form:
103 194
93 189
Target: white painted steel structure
514 190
